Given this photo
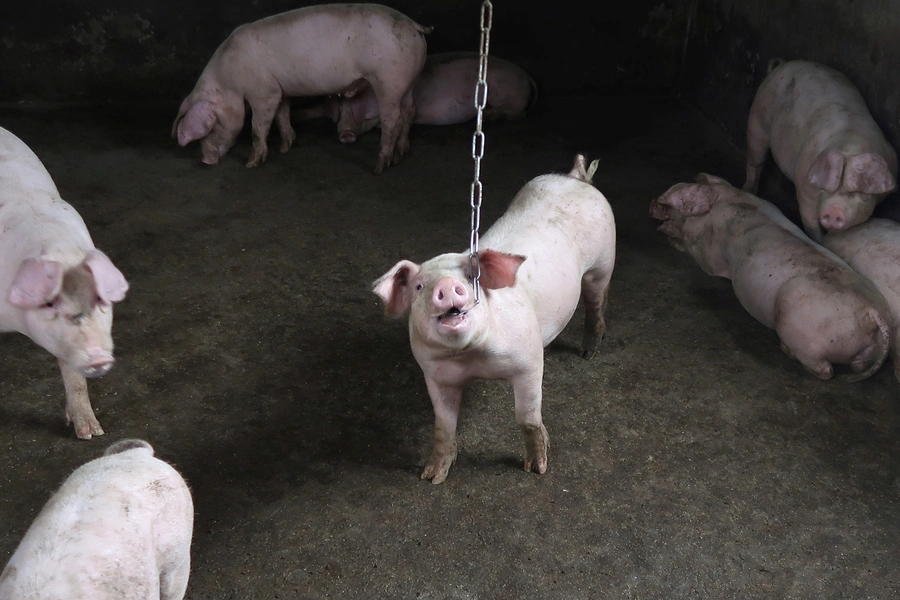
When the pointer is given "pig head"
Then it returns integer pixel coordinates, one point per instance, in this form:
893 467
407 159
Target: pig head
846 188
212 117
684 209
69 312
440 298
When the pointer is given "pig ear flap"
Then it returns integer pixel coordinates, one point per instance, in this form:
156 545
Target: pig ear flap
394 287
869 173
109 281
710 179
825 172
197 122
498 269
37 282
689 198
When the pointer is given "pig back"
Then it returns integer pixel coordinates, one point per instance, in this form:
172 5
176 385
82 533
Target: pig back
563 227
320 50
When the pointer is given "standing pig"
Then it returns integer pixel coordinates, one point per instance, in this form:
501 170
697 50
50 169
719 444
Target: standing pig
556 241
873 250
312 51
444 94
824 140
823 311
57 288
119 527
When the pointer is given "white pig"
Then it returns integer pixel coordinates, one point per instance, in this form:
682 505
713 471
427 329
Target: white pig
823 311
873 250
556 242
311 51
119 527
824 140
56 287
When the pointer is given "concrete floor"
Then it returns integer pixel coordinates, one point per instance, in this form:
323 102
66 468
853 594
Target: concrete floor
689 459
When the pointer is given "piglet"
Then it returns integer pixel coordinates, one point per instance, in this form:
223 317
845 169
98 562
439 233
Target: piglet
824 140
119 527
56 287
873 250
444 94
310 51
556 242
823 311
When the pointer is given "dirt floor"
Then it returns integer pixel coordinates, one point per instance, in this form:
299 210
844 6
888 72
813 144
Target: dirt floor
690 458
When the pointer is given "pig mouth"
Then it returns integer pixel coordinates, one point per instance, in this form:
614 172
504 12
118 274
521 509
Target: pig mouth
452 318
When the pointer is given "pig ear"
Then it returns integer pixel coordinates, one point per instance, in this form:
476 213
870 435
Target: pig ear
498 269
111 284
393 287
710 179
36 283
689 198
198 121
868 173
825 172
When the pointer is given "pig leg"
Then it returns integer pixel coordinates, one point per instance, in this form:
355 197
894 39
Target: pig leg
408 109
594 290
173 581
283 120
261 121
78 405
757 146
527 390
446 401
393 107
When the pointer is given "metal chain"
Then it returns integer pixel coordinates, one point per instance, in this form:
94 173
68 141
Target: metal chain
476 192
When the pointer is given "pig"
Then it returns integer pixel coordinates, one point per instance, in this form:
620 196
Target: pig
873 250
555 242
823 311
119 527
444 94
57 288
312 51
824 140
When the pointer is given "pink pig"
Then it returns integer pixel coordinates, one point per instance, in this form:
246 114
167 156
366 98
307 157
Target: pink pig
824 140
312 51
556 242
444 94
873 250
823 311
57 288
119 527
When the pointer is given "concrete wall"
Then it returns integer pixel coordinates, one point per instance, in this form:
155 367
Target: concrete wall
733 40
101 50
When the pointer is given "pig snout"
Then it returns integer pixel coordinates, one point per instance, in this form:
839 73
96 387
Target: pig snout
833 218
98 363
449 294
347 137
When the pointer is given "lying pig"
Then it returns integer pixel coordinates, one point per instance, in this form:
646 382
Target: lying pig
312 51
824 140
56 287
556 241
823 311
119 527
873 250
444 94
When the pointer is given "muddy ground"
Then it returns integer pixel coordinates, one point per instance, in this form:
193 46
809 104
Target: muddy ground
690 458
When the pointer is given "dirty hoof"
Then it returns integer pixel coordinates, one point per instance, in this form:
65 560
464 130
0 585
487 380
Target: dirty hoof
86 427
537 442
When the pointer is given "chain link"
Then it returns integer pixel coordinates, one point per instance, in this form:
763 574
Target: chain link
476 191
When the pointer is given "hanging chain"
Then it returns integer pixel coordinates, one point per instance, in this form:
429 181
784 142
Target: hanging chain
475 196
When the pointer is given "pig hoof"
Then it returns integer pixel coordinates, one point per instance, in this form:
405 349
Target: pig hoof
588 354
537 442
435 473
536 465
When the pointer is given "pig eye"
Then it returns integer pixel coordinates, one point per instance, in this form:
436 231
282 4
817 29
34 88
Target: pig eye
419 287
